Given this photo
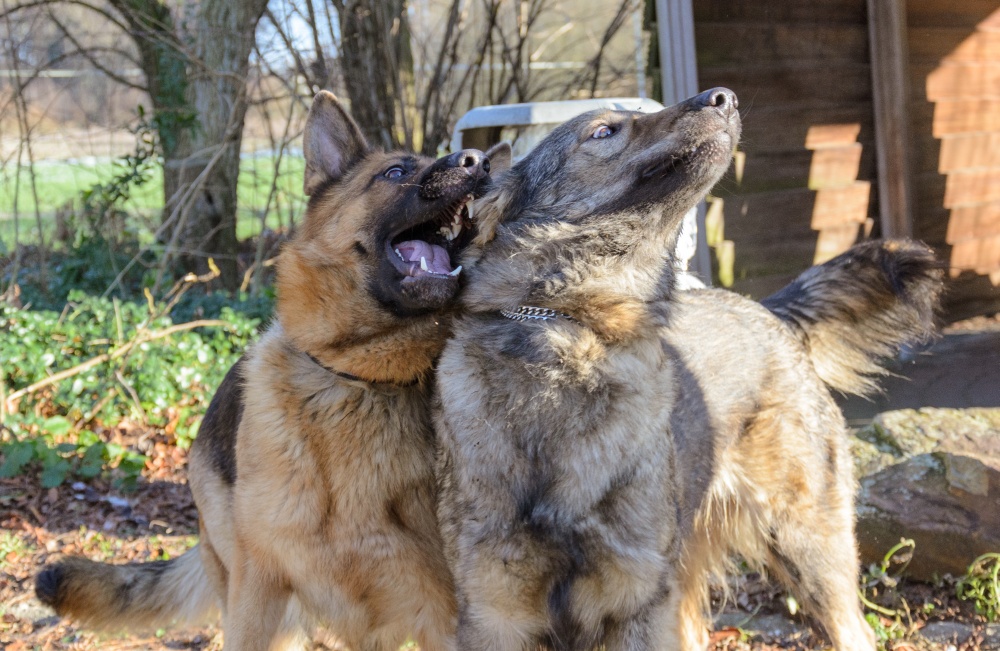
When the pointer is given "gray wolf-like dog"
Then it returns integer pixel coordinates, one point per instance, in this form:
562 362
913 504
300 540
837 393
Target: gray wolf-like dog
608 443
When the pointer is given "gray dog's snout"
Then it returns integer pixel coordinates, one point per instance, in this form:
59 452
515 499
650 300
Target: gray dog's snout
722 99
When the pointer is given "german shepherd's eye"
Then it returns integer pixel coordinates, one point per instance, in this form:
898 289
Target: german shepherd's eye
394 172
602 131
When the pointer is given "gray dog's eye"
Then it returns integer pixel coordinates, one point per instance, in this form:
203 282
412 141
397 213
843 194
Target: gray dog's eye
602 131
394 172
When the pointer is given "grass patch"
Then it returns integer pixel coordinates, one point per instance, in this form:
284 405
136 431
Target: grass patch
11 547
61 183
981 586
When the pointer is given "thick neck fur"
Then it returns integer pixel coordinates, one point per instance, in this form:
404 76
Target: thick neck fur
325 313
607 272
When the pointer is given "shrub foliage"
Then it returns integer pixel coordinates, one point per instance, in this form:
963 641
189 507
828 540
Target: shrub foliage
70 379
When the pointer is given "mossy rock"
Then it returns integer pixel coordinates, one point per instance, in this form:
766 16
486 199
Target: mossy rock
932 475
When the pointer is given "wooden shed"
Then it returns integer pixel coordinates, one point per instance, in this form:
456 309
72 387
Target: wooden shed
860 116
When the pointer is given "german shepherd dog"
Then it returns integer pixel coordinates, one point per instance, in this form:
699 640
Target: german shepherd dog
313 471
608 443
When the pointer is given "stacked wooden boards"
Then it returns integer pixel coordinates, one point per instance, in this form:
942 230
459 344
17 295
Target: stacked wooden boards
807 186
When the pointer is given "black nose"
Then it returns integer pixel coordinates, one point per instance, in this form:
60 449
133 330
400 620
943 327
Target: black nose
473 161
722 99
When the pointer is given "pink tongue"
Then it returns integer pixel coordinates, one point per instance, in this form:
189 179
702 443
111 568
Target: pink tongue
436 257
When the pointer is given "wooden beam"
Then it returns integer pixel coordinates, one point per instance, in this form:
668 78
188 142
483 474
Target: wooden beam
679 74
890 90
678 59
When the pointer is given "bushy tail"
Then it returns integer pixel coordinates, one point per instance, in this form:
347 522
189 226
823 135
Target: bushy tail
861 307
136 596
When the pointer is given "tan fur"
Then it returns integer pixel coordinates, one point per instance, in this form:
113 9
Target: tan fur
338 510
766 466
168 591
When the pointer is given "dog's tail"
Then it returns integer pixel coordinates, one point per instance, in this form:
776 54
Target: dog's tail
135 596
862 306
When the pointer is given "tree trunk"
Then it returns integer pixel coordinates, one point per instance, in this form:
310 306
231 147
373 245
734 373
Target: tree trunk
377 63
199 101
222 39
164 64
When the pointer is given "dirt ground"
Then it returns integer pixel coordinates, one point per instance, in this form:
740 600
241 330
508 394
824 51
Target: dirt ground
159 520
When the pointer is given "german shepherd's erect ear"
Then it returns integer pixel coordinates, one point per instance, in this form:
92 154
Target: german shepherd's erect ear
332 143
501 158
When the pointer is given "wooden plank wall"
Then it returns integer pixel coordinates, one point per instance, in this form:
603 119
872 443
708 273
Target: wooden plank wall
801 71
955 123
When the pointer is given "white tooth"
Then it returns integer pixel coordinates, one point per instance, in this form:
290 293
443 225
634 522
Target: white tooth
457 219
445 231
423 263
456 271
400 255
469 206
455 230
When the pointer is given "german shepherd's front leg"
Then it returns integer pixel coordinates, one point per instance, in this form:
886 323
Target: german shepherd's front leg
650 630
257 602
479 629
501 601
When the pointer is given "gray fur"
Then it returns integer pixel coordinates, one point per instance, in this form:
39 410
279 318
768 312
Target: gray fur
559 497
861 306
550 473
763 448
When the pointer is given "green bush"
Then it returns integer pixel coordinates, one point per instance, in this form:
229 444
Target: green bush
63 430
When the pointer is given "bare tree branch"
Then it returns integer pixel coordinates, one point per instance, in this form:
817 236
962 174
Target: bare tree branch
89 56
79 3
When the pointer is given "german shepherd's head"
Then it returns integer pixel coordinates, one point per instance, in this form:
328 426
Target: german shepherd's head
586 223
364 282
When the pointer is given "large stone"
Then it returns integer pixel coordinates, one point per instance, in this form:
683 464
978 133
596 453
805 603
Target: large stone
932 475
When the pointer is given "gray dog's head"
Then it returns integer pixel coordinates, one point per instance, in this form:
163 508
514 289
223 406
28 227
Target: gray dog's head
591 215
609 163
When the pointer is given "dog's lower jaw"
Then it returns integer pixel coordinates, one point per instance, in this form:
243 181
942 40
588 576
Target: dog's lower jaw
361 336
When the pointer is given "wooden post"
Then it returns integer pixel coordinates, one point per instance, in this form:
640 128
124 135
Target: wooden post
679 74
678 59
890 93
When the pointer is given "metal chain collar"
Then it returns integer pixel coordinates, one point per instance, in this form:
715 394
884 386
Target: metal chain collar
530 313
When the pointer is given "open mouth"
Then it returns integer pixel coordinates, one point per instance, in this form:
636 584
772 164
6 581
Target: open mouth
427 249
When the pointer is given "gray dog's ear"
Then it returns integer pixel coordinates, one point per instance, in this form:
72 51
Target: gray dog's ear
500 158
332 142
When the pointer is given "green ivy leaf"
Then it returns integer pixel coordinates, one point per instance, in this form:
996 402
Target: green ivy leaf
57 425
15 456
133 463
87 439
55 473
93 461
